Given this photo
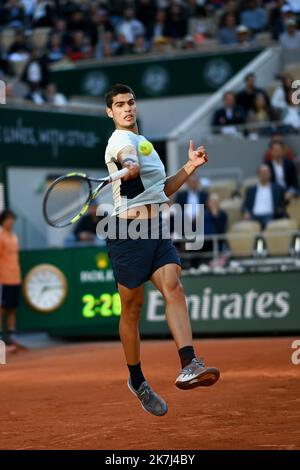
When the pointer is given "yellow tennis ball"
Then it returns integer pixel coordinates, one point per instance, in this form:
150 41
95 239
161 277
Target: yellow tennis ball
145 147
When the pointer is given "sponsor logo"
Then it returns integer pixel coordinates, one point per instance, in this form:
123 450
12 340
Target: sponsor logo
229 306
217 72
155 80
95 83
101 274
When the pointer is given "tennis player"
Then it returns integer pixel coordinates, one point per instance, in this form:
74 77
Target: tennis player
136 261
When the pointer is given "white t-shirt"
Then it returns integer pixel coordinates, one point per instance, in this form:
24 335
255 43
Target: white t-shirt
278 98
148 188
263 204
279 174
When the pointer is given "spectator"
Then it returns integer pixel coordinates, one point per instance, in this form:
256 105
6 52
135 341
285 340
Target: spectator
229 115
243 36
14 14
231 8
283 171
130 27
43 14
122 46
246 97
188 43
227 34
140 46
279 97
215 222
85 230
254 17
290 114
159 25
261 115
161 45
294 5
176 26
28 6
36 71
288 152
100 25
77 22
192 197
264 201
290 39
106 47
51 96
4 66
145 13
55 51
276 23
60 27
200 26
80 49
10 276
19 50
35 94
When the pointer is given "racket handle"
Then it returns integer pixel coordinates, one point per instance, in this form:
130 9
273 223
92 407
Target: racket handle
119 174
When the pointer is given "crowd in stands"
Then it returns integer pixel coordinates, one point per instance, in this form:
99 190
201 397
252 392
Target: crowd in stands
81 30
256 112
266 199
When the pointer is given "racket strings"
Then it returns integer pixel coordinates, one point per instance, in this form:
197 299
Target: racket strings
66 199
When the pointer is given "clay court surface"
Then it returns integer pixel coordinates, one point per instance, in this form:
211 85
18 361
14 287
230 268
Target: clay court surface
75 397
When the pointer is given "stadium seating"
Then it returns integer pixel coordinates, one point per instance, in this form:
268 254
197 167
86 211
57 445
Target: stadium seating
278 236
7 38
293 210
40 37
223 187
232 207
293 69
241 237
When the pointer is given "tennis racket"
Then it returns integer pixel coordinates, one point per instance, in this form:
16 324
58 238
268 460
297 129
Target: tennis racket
69 197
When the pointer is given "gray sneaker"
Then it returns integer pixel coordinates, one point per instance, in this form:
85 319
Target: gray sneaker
150 401
195 374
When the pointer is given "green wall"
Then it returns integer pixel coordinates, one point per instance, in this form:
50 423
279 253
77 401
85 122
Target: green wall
46 138
239 303
175 75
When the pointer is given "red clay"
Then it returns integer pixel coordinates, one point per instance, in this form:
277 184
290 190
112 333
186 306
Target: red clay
75 397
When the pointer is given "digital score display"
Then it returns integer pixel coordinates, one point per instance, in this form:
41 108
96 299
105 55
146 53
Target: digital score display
107 305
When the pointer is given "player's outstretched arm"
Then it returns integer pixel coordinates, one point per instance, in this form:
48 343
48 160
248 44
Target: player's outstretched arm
129 159
197 158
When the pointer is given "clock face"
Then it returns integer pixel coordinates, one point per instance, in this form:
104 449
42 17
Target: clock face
45 288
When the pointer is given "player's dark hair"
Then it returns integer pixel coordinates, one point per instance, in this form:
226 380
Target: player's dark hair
117 89
6 214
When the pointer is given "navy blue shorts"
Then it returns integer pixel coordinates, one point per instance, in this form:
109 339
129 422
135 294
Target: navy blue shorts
9 296
134 261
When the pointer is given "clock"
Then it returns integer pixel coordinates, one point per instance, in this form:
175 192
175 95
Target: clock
45 288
